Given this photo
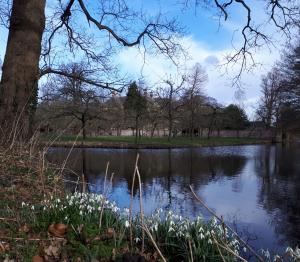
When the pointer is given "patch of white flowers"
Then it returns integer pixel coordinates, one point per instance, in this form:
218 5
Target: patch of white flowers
291 254
170 224
185 229
83 204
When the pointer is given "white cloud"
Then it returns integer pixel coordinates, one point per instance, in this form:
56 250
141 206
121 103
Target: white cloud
219 86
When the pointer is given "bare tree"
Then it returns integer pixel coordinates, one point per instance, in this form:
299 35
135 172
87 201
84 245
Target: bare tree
193 95
270 101
71 97
279 15
170 103
117 25
114 20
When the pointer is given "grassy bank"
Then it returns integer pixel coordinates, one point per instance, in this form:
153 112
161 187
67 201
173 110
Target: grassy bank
148 142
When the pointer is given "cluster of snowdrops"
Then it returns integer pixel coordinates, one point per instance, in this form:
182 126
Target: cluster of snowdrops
176 237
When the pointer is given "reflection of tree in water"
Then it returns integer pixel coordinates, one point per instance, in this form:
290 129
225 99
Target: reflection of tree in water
278 168
166 174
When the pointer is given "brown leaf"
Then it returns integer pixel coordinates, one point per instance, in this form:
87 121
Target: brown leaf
4 247
24 228
58 230
52 251
37 259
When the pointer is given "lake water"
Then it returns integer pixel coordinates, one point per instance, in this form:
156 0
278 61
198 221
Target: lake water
254 187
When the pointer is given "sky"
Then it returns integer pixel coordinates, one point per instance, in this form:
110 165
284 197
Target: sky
207 42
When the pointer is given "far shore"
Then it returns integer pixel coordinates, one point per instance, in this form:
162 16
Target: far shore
128 142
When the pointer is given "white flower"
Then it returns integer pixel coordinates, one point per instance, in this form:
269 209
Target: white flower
171 229
209 241
32 207
126 223
201 236
23 204
136 239
245 249
80 212
266 254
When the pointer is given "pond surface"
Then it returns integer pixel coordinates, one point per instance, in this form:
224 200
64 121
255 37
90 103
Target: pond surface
255 187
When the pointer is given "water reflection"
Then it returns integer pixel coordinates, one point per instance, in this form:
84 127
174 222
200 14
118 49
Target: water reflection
278 169
255 185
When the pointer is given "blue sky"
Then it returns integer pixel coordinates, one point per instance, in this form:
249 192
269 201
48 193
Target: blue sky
207 43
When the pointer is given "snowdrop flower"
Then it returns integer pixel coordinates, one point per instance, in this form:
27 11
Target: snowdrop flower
171 229
23 204
245 249
136 239
32 207
201 236
277 258
209 241
126 223
80 213
115 209
289 250
266 254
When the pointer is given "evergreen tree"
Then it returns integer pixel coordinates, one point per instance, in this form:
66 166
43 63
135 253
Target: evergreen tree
135 106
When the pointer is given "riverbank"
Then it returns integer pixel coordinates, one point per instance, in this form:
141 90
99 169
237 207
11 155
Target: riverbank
148 142
41 222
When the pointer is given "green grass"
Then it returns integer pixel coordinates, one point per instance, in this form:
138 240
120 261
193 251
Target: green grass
158 141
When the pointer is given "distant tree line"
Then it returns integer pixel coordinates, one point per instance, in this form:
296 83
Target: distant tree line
174 107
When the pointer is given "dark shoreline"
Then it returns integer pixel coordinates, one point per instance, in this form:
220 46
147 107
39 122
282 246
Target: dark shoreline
122 145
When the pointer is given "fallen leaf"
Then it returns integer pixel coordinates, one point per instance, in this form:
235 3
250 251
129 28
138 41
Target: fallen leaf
37 259
24 228
52 251
58 230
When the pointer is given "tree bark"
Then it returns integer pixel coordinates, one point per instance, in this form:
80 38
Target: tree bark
83 124
20 74
136 128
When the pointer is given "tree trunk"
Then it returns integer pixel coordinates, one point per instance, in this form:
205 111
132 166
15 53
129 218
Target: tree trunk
136 129
19 82
83 124
170 128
